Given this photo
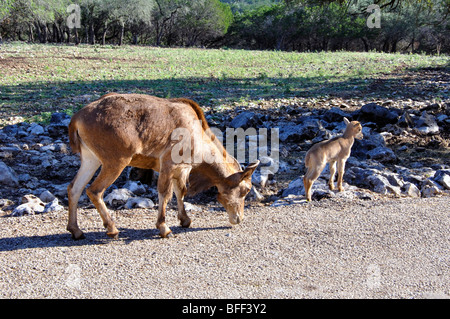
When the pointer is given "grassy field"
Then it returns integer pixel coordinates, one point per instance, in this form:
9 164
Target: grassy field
36 80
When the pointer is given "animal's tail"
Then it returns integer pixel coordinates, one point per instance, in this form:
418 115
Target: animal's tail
74 138
307 159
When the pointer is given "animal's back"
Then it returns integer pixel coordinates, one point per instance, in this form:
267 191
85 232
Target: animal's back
322 150
128 124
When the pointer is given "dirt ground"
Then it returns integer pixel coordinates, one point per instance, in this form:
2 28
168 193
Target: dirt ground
328 249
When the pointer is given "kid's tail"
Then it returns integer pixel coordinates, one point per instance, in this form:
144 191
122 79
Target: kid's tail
307 158
74 138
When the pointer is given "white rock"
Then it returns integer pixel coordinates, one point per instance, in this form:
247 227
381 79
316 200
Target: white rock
30 205
295 187
136 187
118 197
139 202
411 190
22 210
53 206
191 207
444 180
429 191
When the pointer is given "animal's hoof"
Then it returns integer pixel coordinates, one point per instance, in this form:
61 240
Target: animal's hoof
170 235
79 237
186 223
77 234
113 235
164 231
167 235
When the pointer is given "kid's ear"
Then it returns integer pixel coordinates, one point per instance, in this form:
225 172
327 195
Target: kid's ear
346 121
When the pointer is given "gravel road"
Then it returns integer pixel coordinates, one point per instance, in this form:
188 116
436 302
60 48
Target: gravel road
389 248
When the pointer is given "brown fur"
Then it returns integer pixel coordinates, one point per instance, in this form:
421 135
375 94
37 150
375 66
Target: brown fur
120 130
336 150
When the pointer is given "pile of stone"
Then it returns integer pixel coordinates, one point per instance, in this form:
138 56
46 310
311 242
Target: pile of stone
372 169
36 164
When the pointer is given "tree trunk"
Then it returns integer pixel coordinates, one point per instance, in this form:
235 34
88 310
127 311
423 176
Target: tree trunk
31 35
44 34
121 32
38 30
394 46
91 33
386 46
56 33
158 30
77 39
105 28
366 44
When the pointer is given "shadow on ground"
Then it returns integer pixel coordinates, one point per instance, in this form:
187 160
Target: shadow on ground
34 98
126 235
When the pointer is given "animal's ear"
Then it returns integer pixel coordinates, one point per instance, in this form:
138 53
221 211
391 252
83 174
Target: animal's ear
346 121
248 171
234 179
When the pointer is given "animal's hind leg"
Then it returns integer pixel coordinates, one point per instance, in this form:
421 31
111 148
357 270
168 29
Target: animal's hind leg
180 189
307 184
332 173
311 175
89 165
165 192
107 176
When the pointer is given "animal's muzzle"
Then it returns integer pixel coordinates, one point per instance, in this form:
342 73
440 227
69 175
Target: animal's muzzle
236 219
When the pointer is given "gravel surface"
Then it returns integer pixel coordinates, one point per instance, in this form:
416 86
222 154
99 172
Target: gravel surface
389 248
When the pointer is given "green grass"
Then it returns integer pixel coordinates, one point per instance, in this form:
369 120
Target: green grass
36 79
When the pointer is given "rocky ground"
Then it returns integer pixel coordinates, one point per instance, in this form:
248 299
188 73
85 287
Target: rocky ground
405 152
399 170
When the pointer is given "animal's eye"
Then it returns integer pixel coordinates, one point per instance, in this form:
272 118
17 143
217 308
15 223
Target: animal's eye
244 191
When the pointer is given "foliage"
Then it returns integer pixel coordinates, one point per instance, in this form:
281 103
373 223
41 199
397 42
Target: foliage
299 25
160 22
308 25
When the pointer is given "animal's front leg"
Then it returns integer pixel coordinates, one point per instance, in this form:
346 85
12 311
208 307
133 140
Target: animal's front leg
341 168
164 195
180 191
332 173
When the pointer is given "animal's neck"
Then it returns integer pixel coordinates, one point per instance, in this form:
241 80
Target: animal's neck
349 139
212 172
348 135
218 171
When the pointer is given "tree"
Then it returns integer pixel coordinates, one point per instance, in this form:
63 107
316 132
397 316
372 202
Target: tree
5 7
126 12
204 20
164 15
